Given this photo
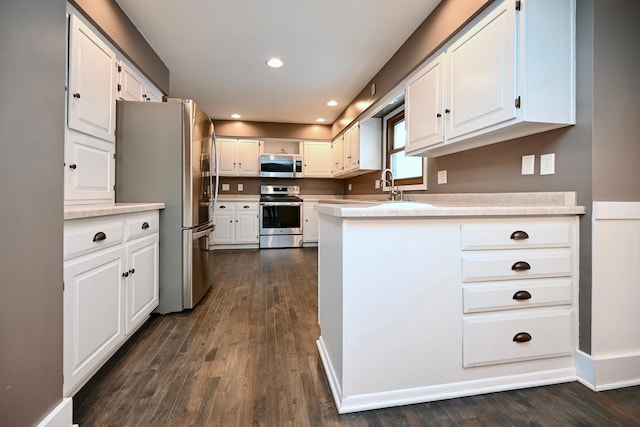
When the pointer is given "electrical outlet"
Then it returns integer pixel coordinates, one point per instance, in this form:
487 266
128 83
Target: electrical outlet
442 177
225 187
548 164
528 164
349 187
240 187
377 185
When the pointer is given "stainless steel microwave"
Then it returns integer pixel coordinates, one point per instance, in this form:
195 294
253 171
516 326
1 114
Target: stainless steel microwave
281 165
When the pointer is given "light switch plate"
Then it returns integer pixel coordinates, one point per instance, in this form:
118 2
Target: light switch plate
548 164
377 185
225 187
349 187
442 177
240 187
528 164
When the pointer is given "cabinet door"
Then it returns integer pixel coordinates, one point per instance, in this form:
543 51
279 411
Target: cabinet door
132 84
482 74
93 312
337 156
152 93
248 155
89 168
317 159
246 226
310 229
346 150
227 153
92 83
354 147
424 106
142 280
225 230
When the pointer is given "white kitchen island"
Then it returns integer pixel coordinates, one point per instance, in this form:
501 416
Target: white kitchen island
421 302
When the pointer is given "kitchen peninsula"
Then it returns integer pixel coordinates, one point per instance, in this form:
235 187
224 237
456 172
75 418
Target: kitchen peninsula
448 296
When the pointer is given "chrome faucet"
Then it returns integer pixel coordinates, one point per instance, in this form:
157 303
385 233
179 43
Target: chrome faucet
393 191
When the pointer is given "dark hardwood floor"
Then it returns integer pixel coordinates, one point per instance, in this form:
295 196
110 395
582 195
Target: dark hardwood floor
246 356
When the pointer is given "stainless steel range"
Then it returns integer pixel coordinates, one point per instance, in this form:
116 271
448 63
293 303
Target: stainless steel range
280 216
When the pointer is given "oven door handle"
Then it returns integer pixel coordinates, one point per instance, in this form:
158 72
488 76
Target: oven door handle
280 203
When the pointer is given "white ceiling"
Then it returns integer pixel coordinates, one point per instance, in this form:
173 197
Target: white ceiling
216 51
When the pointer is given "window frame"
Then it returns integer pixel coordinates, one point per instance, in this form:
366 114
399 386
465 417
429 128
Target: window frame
408 184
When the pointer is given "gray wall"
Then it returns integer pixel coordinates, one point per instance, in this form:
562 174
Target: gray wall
31 187
616 106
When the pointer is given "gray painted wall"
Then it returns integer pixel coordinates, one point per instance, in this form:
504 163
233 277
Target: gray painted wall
31 186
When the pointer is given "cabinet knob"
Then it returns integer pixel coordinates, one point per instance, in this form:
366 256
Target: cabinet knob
438 115
447 111
522 295
522 337
76 95
73 166
519 235
521 266
145 225
133 270
125 274
99 236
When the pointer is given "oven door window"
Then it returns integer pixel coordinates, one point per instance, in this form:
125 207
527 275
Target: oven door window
281 217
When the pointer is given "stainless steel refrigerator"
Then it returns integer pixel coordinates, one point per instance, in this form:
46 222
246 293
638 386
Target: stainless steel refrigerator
165 153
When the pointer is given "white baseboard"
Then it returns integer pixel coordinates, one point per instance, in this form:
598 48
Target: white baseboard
607 373
61 416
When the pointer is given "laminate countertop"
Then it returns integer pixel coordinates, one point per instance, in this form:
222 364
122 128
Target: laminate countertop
90 211
456 205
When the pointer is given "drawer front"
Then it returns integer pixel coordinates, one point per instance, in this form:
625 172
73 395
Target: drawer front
83 237
515 235
492 339
142 225
509 265
513 295
225 206
246 206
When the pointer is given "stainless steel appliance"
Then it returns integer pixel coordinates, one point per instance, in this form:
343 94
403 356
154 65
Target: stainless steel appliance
280 165
280 216
164 154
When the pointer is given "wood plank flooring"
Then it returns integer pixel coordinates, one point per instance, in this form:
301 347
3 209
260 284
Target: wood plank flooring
246 356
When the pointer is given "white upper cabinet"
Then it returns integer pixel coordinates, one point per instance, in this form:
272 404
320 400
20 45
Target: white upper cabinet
238 157
358 149
317 159
133 86
509 74
92 82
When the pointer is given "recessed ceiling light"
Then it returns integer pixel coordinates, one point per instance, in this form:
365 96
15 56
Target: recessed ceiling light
275 63
320 120
332 103
235 116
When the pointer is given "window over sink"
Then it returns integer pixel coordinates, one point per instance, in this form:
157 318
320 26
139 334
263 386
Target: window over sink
409 172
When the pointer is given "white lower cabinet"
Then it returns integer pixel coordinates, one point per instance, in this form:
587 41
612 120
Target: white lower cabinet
236 225
310 227
110 288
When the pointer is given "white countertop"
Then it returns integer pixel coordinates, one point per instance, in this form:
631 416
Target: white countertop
88 211
455 205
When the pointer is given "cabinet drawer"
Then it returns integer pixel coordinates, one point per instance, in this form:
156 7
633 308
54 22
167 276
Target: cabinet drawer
508 265
513 295
246 206
225 206
492 339
87 236
142 225
515 235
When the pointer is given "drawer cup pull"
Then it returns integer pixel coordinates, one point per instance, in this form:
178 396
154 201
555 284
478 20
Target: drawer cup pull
245 207
145 225
522 295
99 236
522 337
521 266
519 235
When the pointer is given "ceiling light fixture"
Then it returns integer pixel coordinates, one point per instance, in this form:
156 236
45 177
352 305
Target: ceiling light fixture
275 63
235 116
320 120
332 103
